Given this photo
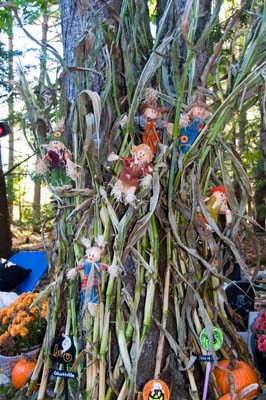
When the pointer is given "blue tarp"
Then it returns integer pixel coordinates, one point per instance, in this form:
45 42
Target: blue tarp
36 260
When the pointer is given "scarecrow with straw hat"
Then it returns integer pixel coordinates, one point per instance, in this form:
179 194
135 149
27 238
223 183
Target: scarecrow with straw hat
198 112
58 161
150 120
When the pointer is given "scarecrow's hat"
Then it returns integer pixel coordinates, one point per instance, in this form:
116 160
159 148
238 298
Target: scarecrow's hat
57 136
151 101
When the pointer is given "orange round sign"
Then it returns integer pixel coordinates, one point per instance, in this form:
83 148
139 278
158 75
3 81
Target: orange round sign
156 389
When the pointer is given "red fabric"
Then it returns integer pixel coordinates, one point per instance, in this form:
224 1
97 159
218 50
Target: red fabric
132 173
85 278
84 282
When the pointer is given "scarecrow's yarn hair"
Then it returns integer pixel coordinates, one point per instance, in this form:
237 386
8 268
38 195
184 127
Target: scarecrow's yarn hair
72 170
151 101
99 242
86 242
151 95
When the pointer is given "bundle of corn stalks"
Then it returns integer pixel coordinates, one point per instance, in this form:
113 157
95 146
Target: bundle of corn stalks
164 280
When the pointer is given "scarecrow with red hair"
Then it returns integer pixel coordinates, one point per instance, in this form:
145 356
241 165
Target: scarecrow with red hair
217 204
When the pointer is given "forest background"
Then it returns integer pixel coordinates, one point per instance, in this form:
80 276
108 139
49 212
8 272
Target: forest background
108 58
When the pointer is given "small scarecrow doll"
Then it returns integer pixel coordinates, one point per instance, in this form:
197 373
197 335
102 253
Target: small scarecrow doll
150 121
216 205
136 172
91 279
58 161
198 112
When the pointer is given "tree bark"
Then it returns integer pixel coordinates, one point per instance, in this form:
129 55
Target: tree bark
10 180
78 37
263 128
36 211
5 233
206 50
260 170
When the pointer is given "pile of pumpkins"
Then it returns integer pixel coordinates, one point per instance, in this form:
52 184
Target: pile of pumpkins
242 375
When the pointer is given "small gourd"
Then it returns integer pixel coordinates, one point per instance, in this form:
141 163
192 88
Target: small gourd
243 375
21 371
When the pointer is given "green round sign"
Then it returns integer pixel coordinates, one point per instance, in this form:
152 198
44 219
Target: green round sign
217 339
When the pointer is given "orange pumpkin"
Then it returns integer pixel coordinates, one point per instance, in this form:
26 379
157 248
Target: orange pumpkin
243 375
242 395
21 371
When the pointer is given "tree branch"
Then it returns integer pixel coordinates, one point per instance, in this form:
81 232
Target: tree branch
18 164
49 47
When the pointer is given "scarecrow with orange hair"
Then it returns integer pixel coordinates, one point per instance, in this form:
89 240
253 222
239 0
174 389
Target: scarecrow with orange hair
135 172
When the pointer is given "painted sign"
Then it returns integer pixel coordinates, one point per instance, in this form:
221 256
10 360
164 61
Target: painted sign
64 374
217 335
156 389
63 350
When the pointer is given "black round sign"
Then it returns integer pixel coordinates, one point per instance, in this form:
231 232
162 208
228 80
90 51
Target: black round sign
63 350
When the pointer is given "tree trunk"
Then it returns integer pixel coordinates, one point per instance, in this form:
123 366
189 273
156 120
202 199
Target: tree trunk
5 233
206 50
36 211
263 128
174 19
10 179
260 171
